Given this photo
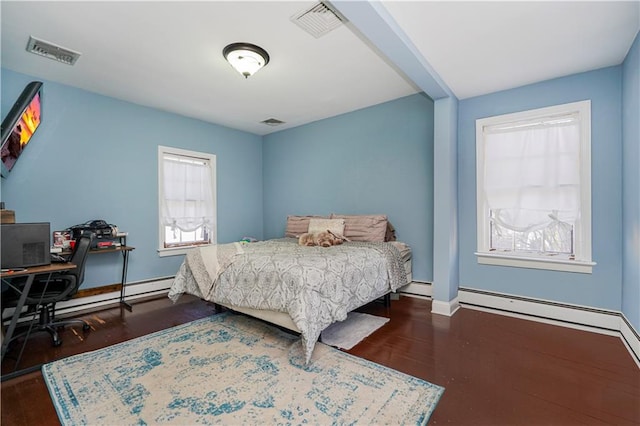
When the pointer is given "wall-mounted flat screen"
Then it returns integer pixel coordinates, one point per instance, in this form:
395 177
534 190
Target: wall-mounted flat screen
20 124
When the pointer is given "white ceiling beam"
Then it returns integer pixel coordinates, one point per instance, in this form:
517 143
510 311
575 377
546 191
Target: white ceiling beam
374 22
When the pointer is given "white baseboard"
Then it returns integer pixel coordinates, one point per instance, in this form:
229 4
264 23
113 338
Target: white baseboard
630 338
445 308
419 288
133 291
601 321
579 317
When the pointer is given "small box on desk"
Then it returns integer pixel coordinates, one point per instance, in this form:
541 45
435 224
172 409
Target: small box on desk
62 239
101 243
8 216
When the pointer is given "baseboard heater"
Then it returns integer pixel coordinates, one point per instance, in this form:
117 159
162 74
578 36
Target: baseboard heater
417 288
581 317
133 290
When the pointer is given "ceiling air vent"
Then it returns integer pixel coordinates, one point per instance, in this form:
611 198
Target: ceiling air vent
317 20
52 51
272 122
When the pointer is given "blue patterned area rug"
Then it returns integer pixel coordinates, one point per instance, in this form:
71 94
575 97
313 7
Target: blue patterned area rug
231 369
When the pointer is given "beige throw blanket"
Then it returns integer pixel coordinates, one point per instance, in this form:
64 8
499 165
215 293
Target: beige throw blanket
208 262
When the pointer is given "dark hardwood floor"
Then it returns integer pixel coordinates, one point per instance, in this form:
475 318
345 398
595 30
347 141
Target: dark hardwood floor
496 370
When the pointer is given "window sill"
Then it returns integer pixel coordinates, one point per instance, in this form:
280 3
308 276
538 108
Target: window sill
563 265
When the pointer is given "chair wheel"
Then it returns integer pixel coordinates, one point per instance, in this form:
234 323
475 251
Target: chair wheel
86 327
57 343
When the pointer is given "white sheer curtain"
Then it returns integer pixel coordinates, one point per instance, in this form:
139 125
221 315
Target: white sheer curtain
532 173
187 197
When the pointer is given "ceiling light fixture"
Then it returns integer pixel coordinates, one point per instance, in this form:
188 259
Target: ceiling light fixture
246 58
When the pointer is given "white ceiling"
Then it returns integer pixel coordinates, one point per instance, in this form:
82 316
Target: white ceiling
483 47
168 55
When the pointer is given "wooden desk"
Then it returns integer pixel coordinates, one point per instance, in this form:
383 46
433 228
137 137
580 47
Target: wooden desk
30 273
45 269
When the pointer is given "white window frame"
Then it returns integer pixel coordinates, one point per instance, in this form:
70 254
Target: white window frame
211 158
582 263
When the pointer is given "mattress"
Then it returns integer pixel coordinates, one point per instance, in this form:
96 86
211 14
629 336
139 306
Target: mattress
304 289
284 320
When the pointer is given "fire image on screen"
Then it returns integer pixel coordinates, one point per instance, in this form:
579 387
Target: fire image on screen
21 133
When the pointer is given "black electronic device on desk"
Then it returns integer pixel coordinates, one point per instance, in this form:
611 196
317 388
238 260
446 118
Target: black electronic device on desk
101 230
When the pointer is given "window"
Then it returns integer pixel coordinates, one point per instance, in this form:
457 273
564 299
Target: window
534 188
187 199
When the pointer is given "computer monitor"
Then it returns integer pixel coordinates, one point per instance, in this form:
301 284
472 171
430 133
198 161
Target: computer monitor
24 245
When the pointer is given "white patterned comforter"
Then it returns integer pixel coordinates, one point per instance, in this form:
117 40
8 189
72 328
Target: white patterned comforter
316 286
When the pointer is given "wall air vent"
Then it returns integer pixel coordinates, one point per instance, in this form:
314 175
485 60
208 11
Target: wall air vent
318 19
52 51
272 122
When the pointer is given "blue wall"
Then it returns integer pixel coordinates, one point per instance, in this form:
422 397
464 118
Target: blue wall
377 160
631 184
602 288
96 157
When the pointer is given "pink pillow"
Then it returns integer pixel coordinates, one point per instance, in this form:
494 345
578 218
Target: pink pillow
371 228
298 225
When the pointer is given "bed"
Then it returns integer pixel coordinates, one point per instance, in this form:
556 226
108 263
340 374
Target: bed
304 289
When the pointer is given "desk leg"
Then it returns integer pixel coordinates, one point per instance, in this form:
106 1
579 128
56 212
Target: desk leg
16 314
125 266
14 320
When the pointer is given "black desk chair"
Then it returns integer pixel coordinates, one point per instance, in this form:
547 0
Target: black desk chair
60 287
